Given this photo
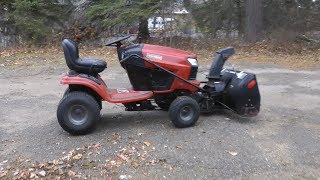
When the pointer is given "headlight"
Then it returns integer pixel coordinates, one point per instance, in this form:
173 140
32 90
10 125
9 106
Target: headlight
193 61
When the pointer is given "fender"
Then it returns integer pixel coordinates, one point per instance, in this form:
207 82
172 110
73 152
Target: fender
100 89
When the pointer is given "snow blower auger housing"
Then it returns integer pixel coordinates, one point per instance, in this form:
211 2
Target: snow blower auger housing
161 78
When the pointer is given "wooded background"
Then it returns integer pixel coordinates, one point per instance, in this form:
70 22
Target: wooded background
43 22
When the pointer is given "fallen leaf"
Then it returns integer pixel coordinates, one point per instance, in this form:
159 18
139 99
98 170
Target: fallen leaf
71 173
121 156
113 163
97 146
60 171
16 173
42 173
41 165
3 173
32 175
135 164
233 153
125 177
147 143
178 146
31 169
77 157
153 162
162 160
24 175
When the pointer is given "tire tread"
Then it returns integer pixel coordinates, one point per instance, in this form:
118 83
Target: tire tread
92 102
174 109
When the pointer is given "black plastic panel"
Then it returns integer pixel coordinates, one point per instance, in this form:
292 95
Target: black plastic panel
134 50
146 79
193 73
238 96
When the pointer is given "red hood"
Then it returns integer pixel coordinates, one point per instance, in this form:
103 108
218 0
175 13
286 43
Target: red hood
167 51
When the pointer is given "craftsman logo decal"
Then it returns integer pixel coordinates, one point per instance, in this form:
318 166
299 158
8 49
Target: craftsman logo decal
154 56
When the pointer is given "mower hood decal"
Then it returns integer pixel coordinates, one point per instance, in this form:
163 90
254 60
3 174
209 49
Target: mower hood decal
154 56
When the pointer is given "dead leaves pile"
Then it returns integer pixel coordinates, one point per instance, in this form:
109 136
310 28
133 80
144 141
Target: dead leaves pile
79 163
57 169
135 155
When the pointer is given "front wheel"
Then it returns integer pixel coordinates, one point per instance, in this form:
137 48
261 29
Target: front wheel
78 113
184 112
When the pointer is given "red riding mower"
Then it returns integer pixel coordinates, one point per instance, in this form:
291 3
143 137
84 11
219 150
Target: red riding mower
161 77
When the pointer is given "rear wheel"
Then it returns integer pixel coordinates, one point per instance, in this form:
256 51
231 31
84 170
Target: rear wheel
78 113
184 112
67 91
86 90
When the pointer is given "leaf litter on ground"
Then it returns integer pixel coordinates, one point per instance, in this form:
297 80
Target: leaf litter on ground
73 164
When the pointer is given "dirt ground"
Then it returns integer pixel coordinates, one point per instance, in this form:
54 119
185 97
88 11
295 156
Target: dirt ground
282 142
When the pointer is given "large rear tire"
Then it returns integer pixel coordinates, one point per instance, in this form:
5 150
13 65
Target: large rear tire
184 112
97 98
67 91
78 113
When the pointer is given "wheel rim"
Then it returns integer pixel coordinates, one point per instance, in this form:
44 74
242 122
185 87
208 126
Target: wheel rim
186 113
78 114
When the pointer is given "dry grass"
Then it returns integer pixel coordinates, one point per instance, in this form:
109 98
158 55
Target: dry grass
288 55
17 57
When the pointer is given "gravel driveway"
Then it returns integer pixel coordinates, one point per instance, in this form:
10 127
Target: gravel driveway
283 141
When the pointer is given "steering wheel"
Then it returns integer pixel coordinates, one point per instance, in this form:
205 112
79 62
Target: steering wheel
117 42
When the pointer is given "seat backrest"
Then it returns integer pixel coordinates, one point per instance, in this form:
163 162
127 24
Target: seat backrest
71 53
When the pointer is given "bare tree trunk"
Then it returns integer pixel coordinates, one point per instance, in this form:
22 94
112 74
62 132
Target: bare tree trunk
253 20
228 28
240 27
164 30
213 22
143 29
154 22
171 24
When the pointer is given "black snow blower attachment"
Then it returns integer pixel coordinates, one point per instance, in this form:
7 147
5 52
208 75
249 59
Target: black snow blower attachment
235 90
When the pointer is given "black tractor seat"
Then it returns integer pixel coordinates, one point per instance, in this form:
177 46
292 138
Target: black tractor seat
81 65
